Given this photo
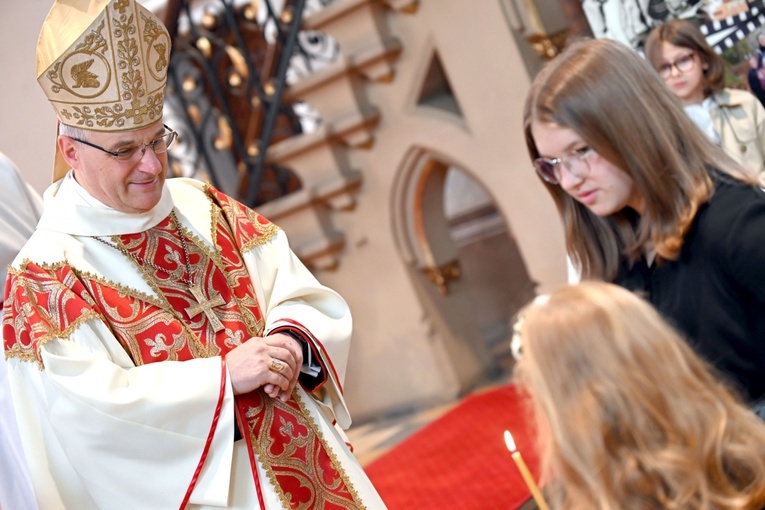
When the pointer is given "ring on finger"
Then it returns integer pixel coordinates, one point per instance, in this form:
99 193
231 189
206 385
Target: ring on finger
277 365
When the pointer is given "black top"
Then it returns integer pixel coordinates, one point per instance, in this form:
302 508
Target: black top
714 292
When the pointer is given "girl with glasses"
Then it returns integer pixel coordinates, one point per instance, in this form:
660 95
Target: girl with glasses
733 119
648 202
629 417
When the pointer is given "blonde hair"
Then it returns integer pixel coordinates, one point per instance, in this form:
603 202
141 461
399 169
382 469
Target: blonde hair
612 98
629 416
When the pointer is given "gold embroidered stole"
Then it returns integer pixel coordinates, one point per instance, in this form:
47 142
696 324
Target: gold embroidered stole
287 441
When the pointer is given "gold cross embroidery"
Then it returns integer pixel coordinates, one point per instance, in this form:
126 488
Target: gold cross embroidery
206 306
121 5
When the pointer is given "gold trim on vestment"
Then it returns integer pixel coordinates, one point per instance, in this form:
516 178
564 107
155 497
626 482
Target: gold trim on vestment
23 282
149 278
254 327
267 232
332 456
335 463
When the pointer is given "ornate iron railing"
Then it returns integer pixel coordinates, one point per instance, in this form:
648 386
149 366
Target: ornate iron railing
230 65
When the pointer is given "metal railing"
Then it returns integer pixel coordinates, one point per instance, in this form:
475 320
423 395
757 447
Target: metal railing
230 66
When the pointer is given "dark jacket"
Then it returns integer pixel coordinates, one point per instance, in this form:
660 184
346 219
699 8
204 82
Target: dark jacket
755 85
714 292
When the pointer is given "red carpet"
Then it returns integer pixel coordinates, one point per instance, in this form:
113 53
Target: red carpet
460 461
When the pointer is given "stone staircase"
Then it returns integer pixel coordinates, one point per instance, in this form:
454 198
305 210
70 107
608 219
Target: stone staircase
321 158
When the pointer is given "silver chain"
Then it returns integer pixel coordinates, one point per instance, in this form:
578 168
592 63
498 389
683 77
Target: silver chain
142 260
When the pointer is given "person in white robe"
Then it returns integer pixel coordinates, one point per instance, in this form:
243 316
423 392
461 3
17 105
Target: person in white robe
166 348
20 210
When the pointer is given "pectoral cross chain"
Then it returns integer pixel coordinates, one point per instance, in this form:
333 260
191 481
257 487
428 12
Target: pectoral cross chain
203 304
206 306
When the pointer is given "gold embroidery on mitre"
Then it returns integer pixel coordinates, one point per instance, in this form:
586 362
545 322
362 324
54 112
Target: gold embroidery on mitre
83 77
112 78
76 66
156 38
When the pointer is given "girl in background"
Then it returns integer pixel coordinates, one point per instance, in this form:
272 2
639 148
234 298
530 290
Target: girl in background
629 417
733 119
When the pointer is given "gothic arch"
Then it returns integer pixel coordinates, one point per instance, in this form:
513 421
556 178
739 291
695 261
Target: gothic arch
467 268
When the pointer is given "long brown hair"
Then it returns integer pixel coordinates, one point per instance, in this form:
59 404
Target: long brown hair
629 416
611 97
683 33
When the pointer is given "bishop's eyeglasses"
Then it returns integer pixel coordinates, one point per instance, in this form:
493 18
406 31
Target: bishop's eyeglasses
134 153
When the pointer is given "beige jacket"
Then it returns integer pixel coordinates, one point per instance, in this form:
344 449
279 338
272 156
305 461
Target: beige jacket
740 121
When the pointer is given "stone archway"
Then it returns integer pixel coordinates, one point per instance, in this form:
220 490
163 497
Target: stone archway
498 282
463 261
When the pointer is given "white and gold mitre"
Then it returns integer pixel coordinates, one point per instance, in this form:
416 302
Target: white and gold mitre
103 64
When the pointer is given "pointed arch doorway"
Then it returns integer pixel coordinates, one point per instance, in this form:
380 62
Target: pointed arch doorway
463 261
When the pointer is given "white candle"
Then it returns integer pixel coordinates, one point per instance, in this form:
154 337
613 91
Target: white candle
525 473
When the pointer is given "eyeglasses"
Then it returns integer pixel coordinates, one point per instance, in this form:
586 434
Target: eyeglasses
575 162
682 64
134 153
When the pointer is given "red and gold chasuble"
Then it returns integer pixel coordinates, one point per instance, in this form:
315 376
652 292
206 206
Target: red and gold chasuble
174 327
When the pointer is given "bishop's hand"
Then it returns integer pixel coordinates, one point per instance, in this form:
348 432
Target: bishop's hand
272 362
296 354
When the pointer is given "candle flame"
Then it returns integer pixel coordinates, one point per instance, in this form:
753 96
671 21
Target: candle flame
509 441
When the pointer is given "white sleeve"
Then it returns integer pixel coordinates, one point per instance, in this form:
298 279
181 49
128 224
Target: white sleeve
20 210
103 426
15 485
292 297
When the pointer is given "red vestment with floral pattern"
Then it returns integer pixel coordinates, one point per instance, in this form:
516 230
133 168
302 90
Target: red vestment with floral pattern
48 302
